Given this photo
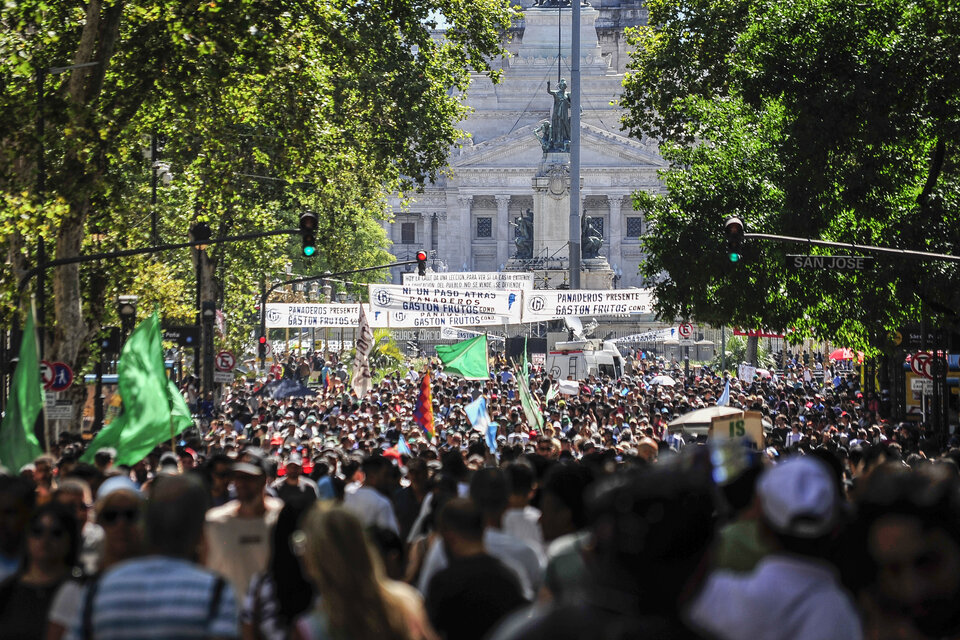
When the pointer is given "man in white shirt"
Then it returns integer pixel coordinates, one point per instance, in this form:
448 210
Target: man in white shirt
369 501
793 594
520 519
238 533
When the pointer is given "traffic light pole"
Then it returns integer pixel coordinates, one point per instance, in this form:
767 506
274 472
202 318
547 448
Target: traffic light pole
889 251
324 276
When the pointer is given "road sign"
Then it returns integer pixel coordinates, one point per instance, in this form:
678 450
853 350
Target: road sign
830 263
62 377
61 410
912 337
922 364
184 335
46 374
225 361
223 376
922 385
685 330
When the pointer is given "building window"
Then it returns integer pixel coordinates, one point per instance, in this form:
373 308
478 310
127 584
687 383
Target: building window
484 227
634 226
598 224
408 232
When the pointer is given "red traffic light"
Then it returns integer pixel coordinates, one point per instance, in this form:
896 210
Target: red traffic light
262 339
421 256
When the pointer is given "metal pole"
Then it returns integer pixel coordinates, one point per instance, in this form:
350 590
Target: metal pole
154 238
723 349
41 188
575 145
98 396
197 321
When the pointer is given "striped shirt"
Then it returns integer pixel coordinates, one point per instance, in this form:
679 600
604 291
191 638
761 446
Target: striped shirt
158 597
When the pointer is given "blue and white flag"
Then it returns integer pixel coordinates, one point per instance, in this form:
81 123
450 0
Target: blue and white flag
724 398
477 414
491 436
403 448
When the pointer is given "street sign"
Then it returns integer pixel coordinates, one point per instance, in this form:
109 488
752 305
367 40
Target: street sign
223 377
912 337
685 330
61 410
922 385
184 335
225 361
922 364
62 377
830 263
46 374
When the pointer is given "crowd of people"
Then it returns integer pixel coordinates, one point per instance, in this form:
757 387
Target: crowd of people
337 516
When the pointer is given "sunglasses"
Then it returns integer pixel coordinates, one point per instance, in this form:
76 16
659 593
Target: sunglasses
38 531
111 516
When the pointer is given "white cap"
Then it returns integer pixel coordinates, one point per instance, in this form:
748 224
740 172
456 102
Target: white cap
799 498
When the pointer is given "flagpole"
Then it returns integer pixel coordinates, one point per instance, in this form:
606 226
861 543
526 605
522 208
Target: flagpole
43 408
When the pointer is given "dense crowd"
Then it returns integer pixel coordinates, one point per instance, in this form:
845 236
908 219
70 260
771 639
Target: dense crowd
333 516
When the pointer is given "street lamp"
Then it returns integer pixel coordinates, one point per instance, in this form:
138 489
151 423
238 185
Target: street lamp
127 310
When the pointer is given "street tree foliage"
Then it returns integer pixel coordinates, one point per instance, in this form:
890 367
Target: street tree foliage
263 108
813 118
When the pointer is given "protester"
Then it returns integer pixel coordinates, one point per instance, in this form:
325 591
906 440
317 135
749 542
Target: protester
17 499
238 533
369 500
164 594
356 600
278 596
475 590
794 592
50 557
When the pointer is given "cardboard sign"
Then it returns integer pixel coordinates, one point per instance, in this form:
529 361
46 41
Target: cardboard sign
748 425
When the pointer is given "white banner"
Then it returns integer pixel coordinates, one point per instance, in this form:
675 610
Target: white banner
654 335
445 303
418 319
473 279
542 304
453 333
281 315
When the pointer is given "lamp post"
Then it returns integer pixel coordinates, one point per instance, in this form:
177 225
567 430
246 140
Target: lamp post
127 310
200 236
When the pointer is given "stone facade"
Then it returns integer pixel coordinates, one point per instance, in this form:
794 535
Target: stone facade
465 220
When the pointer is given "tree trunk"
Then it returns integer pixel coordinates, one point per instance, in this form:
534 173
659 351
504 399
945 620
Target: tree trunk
753 342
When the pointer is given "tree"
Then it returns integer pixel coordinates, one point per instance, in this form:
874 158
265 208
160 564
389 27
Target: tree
811 118
267 107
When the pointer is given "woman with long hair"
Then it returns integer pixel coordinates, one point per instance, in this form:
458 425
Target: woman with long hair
50 558
357 602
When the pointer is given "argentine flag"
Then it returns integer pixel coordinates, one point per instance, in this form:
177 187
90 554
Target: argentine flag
477 414
724 399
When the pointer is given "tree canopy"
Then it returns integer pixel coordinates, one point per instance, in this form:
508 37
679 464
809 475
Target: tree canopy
264 108
809 118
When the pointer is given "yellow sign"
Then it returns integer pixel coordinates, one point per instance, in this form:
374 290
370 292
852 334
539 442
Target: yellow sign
748 425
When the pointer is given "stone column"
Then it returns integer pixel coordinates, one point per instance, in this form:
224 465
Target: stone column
503 229
616 229
465 229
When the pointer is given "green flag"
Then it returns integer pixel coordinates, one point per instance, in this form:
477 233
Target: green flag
18 442
153 409
468 358
531 409
525 370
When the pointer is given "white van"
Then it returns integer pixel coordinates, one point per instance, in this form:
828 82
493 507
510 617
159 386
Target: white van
578 359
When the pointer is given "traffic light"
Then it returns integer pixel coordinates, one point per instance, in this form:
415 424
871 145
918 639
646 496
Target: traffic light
421 263
734 231
308 232
262 347
110 340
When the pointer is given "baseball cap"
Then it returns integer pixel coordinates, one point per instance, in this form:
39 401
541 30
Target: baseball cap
168 465
295 458
252 463
798 498
118 483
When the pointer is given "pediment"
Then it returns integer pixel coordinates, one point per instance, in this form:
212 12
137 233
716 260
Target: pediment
599 149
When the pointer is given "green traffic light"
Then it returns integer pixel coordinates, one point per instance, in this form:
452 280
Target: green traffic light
309 251
734 257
